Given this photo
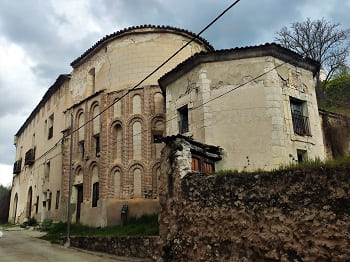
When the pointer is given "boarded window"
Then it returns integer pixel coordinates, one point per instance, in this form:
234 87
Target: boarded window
202 164
195 164
117 184
81 123
117 109
136 104
117 142
137 183
159 103
96 120
136 140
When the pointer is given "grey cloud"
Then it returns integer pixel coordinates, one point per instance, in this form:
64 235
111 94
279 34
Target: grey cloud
32 24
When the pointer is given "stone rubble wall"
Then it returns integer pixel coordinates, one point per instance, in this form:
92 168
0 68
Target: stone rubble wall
142 247
336 134
296 215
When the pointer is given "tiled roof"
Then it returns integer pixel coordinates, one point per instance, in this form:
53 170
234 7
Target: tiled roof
52 89
268 49
130 30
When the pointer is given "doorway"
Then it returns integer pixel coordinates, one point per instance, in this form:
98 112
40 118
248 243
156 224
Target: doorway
29 202
15 208
79 201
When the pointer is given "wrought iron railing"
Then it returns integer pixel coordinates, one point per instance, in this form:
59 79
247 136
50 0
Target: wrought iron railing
301 125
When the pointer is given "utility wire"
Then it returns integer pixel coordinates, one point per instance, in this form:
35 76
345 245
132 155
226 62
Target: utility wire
144 79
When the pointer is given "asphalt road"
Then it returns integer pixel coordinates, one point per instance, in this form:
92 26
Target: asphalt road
24 246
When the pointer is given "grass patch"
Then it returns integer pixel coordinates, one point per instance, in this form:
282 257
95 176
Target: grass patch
336 109
7 225
311 163
147 225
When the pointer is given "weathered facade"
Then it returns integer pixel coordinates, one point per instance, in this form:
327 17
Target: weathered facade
116 155
257 103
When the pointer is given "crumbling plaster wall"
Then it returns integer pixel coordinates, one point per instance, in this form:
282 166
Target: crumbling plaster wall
127 60
34 175
290 215
253 122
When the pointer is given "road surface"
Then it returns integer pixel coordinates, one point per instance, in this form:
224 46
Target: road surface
23 245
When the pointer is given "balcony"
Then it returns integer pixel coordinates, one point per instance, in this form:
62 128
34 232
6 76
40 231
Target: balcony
30 157
17 167
301 125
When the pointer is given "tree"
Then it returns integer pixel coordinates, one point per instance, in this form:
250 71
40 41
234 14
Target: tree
320 40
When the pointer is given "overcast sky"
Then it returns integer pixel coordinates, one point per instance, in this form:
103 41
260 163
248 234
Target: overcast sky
39 39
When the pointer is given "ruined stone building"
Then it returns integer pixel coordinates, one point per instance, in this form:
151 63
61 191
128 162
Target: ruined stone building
115 156
257 104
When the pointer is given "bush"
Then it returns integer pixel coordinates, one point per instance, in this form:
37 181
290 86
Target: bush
46 225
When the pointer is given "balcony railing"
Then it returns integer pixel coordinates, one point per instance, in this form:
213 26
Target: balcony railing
30 157
301 125
17 167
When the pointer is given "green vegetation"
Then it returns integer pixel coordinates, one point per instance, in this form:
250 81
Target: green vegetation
7 225
311 163
335 95
147 225
30 223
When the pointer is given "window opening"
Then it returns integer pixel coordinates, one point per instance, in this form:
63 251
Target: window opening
95 194
183 119
299 117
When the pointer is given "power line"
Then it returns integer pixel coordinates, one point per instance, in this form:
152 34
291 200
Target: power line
148 76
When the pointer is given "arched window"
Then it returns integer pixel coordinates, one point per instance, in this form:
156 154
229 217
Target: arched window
136 140
137 183
117 109
91 83
95 186
136 104
80 123
117 140
96 121
158 103
117 180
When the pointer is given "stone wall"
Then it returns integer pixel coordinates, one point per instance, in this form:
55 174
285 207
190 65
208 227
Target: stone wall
283 215
142 247
336 134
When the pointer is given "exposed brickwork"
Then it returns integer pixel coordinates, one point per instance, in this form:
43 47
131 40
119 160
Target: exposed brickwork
106 162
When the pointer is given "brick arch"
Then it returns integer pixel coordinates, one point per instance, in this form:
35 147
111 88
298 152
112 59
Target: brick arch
155 119
112 182
136 138
114 107
76 173
137 182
